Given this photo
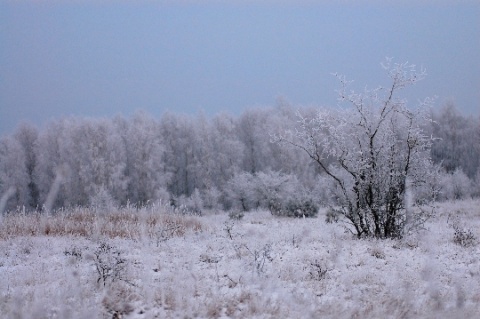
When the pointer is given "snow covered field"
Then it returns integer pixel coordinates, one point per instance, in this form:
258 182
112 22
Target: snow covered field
150 264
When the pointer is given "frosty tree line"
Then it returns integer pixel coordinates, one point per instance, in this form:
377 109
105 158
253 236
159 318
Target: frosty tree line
357 158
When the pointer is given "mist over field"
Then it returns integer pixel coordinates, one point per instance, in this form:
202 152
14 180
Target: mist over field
196 161
371 211
171 160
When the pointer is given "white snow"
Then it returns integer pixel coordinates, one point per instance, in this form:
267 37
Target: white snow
272 268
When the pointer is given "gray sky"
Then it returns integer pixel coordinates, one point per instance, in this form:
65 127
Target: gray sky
101 58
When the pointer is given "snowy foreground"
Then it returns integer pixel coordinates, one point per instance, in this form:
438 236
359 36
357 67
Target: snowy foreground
149 264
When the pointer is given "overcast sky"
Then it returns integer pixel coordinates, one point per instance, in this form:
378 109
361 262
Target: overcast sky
101 58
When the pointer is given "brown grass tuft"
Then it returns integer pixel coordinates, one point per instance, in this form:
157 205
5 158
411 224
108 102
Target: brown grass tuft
124 223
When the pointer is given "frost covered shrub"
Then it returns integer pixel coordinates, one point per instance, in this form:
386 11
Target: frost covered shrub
240 192
317 271
282 194
377 252
298 207
260 257
235 215
456 185
192 205
332 216
74 252
109 263
274 188
116 302
373 152
462 235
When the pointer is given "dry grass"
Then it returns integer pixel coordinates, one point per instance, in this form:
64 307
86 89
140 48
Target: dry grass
123 223
189 267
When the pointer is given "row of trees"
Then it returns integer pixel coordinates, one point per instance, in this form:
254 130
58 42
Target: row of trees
227 161
142 159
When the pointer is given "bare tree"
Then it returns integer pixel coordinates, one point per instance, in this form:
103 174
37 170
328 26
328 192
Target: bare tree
376 148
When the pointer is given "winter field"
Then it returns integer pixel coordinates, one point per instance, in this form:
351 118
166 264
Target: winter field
227 240
154 263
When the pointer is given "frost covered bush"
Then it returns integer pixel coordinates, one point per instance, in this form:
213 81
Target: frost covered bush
372 151
455 185
463 235
240 192
282 194
274 188
318 271
260 256
377 252
298 207
74 252
192 205
332 216
236 215
109 264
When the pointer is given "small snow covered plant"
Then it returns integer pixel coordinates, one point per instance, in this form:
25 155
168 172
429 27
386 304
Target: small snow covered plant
109 263
463 236
373 153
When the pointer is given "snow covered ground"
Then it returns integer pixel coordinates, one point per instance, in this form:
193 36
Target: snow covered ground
157 265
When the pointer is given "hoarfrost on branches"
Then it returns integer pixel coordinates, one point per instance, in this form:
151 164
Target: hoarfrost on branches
370 150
